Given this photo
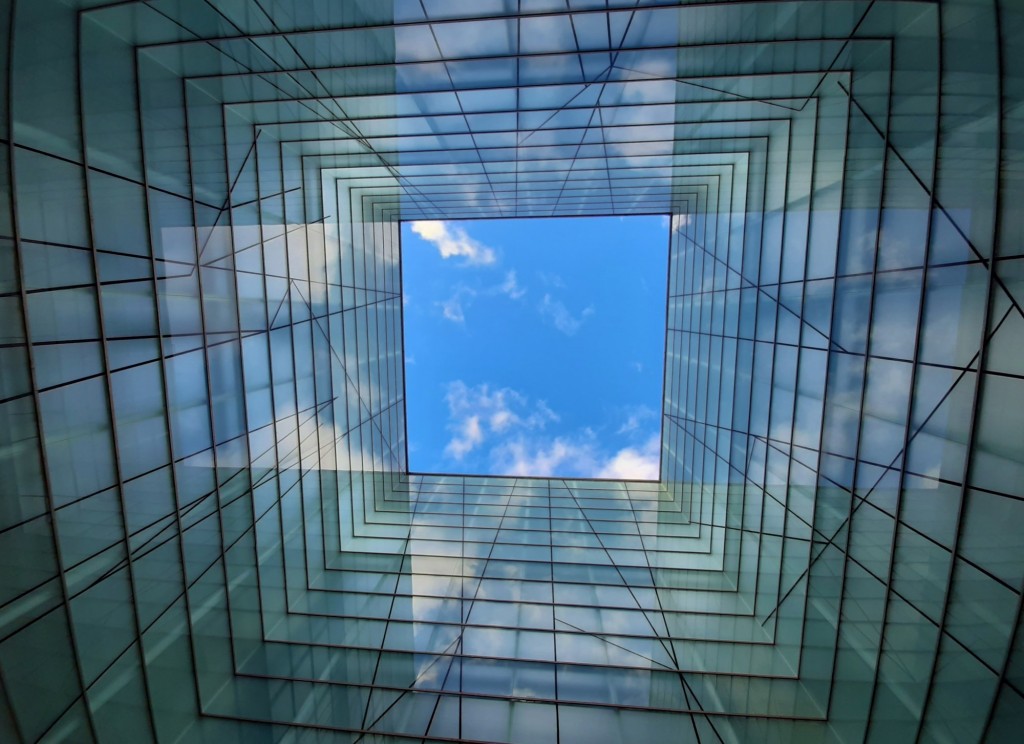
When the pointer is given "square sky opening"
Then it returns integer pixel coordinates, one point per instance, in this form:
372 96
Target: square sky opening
535 347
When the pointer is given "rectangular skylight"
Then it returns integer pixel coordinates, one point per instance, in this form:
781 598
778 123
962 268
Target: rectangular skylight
535 346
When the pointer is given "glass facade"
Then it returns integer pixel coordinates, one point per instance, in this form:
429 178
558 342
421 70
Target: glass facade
208 530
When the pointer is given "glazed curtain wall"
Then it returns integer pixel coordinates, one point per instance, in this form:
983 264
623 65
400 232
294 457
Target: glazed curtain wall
207 530
190 344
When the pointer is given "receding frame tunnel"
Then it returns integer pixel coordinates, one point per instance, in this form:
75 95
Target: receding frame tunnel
208 528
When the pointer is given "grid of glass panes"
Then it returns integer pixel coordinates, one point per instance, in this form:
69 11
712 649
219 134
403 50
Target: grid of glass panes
206 525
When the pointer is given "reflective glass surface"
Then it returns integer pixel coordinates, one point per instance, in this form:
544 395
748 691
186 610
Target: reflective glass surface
208 530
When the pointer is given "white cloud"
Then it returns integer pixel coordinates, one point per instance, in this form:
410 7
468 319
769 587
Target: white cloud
632 463
634 417
560 316
511 286
451 241
575 456
552 457
470 434
510 432
501 420
452 309
475 413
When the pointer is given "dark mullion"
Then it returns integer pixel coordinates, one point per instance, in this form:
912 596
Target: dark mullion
222 557
992 281
269 358
229 208
26 329
1001 201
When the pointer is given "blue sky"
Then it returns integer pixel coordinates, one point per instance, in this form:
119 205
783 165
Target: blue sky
535 347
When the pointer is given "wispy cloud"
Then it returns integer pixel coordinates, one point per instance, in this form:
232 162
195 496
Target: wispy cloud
560 316
451 241
567 456
634 418
579 455
634 463
511 286
469 434
453 308
480 412
510 435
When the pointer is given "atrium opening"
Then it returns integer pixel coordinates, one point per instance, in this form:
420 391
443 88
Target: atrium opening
210 530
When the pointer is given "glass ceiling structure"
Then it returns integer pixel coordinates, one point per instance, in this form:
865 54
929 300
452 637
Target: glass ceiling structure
208 531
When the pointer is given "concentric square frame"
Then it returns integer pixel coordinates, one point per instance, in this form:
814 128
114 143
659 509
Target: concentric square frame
213 533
